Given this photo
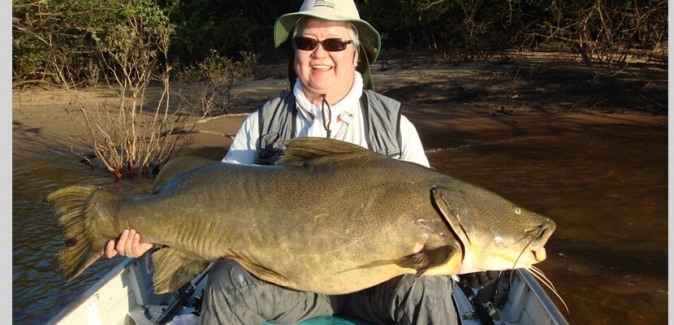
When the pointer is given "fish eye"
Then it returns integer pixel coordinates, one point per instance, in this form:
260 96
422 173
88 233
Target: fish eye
517 210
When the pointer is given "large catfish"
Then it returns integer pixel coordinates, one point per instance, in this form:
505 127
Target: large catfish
330 217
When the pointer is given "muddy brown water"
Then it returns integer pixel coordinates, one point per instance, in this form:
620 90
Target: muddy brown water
605 185
606 188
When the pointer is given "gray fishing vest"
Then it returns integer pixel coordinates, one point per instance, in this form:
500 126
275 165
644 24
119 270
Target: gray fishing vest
277 119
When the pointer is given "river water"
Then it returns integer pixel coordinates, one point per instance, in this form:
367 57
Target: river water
606 188
604 185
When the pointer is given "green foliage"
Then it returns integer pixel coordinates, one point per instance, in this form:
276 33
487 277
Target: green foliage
136 34
204 25
65 31
65 34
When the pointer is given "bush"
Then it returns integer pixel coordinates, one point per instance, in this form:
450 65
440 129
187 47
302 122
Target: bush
130 140
205 88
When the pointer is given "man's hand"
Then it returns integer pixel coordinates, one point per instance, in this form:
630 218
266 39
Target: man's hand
128 245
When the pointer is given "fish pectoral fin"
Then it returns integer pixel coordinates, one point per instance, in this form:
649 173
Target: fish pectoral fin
440 195
263 272
427 259
174 268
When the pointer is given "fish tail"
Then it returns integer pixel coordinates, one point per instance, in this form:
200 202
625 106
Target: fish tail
75 214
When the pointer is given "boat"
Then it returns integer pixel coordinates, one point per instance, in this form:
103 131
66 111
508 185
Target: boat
125 296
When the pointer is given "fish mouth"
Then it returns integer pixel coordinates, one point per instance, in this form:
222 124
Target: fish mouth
539 254
536 246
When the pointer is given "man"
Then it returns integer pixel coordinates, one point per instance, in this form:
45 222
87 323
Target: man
330 51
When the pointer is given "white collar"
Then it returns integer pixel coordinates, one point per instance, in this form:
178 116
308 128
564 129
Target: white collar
307 108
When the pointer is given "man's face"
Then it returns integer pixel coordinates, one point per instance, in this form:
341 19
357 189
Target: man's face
324 72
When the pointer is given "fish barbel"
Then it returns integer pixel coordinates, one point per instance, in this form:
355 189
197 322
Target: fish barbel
330 217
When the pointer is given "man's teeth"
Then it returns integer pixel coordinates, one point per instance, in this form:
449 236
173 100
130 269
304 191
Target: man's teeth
325 67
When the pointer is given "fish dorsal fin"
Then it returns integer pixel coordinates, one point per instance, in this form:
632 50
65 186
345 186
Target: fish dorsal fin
174 268
314 150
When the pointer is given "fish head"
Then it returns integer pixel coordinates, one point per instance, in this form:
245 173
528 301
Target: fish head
495 234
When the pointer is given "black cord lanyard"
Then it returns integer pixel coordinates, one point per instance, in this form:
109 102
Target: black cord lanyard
328 120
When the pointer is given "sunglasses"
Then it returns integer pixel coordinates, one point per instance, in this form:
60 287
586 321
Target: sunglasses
330 44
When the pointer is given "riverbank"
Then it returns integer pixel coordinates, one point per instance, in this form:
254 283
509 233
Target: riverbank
451 103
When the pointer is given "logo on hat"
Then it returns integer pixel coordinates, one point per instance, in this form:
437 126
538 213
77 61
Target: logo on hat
321 3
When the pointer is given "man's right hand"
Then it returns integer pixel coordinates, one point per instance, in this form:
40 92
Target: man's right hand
128 245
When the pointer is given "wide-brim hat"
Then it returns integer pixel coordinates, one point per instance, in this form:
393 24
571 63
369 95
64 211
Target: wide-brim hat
332 10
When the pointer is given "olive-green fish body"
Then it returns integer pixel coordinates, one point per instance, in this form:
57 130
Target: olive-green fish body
331 217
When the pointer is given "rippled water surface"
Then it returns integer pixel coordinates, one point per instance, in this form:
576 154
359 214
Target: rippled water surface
605 186
38 291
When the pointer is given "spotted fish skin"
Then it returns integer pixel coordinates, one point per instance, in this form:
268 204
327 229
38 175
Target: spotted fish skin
331 217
